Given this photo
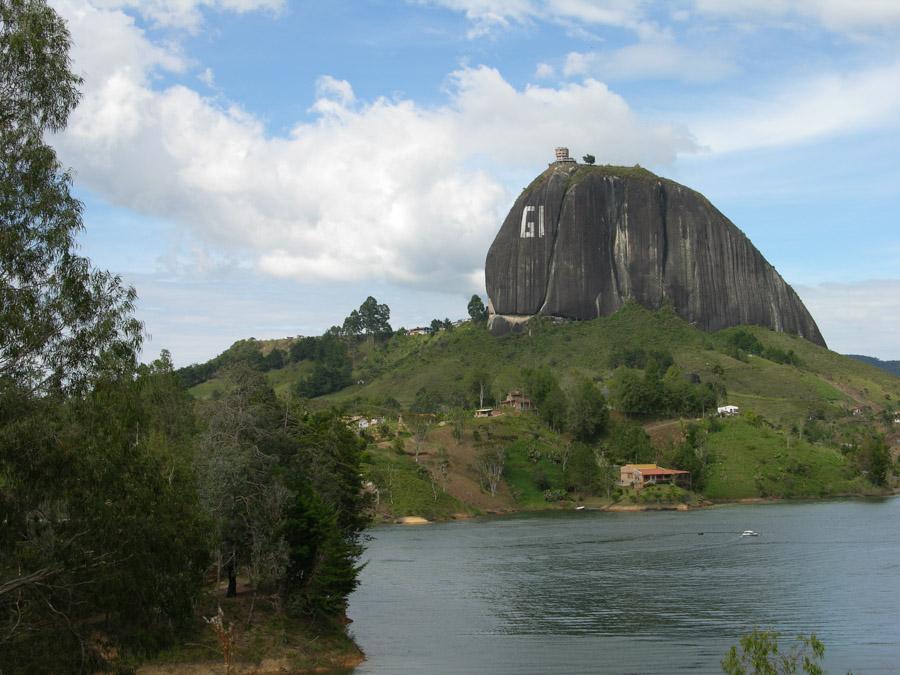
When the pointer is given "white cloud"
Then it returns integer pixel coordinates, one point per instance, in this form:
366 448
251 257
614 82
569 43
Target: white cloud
856 18
186 14
383 189
207 77
486 15
842 16
819 107
857 318
544 71
651 59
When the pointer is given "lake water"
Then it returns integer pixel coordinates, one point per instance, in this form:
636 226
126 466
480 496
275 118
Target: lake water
583 592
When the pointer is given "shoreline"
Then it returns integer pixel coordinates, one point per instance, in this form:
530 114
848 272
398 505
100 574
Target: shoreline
413 520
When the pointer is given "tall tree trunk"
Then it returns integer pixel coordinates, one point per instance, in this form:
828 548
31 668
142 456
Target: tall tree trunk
232 578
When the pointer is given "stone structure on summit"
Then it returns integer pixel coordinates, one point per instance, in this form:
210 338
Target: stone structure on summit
580 241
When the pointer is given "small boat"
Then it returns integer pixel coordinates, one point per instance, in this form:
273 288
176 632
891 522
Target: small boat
579 508
749 533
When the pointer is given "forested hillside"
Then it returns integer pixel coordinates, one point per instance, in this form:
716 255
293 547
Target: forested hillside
812 422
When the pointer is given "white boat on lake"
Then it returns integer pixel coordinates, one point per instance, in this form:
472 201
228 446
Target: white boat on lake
749 533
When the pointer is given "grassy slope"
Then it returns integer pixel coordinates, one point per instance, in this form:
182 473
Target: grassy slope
758 461
753 460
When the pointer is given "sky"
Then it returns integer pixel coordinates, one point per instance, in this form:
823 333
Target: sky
257 168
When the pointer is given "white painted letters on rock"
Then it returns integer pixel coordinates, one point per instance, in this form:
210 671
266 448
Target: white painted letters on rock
527 230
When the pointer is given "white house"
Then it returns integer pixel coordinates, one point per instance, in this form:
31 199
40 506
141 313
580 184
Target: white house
728 410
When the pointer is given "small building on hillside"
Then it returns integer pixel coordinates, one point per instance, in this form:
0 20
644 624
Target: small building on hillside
859 410
517 401
728 410
362 423
419 330
641 475
486 412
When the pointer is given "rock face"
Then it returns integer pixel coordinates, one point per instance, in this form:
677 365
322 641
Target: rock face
580 241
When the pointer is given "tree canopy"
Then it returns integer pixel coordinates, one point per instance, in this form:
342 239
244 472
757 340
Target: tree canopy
477 311
374 317
58 316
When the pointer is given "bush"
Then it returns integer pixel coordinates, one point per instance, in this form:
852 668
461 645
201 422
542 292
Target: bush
554 495
780 356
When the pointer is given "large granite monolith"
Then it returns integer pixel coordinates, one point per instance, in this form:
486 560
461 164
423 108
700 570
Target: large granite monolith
580 241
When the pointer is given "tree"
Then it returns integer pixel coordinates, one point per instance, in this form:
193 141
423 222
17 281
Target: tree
282 487
875 459
627 390
332 370
477 311
427 400
100 526
589 159
273 360
458 419
629 443
436 326
353 324
489 466
325 517
374 318
547 396
759 655
607 473
303 348
581 473
554 409
235 476
421 425
443 462
588 415
58 316
478 386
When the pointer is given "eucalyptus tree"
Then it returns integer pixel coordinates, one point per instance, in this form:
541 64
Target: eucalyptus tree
99 522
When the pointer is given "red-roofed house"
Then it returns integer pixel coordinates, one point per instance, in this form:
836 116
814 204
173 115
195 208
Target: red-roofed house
642 475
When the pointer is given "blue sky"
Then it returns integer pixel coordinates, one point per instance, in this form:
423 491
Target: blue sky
258 167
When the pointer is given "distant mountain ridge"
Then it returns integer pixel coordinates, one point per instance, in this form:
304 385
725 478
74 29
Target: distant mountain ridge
892 367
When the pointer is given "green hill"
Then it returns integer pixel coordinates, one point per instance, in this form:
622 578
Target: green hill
805 411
